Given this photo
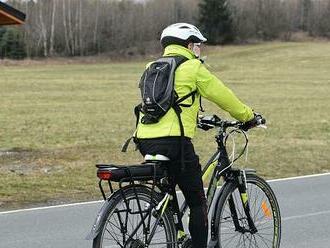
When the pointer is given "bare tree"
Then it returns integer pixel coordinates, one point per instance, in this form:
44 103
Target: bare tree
96 25
52 30
85 27
43 29
66 32
70 29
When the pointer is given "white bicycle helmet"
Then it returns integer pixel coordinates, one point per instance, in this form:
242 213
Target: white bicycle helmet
181 34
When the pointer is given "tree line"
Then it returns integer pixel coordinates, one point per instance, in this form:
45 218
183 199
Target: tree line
133 27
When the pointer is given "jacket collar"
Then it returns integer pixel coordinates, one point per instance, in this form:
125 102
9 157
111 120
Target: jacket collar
171 50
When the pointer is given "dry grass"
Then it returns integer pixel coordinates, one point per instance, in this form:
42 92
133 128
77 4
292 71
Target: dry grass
58 119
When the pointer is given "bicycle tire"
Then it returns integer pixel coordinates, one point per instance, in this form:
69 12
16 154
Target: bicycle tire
264 210
111 223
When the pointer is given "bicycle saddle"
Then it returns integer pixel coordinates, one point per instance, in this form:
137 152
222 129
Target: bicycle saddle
145 171
157 157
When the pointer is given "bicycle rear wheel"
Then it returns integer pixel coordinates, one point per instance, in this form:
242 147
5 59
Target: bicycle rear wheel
264 210
125 217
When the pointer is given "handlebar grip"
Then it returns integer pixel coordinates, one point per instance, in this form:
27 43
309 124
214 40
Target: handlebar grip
260 120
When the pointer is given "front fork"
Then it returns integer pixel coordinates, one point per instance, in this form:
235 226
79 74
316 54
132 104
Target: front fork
242 188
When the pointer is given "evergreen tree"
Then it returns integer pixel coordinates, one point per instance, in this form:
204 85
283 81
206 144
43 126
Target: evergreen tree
215 21
306 8
12 44
3 31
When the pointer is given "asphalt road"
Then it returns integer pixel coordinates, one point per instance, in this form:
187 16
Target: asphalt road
304 202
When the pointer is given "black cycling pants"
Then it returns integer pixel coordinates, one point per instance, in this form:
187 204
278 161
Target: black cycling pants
189 180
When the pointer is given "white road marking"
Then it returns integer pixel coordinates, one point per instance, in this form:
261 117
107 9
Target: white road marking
299 177
50 207
305 215
95 202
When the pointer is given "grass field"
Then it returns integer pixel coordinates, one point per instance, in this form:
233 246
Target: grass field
58 120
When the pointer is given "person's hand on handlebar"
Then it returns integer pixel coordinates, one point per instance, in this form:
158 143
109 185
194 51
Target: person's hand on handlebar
258 120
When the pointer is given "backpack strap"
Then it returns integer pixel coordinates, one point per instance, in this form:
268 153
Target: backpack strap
177 109
200 104
137 111
191 94
125 146
179 60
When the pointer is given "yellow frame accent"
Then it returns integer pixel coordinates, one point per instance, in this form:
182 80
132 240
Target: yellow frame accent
244 197
209 170
165 204
181 234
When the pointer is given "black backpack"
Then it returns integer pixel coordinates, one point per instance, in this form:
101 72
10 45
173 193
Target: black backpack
158 92
157 89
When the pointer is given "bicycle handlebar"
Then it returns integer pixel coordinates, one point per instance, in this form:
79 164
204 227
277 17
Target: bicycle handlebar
211 121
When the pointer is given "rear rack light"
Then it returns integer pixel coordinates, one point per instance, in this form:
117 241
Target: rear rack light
104 174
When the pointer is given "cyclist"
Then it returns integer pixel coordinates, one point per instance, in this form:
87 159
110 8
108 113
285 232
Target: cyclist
163 138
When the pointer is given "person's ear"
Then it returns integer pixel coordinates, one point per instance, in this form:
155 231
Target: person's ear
191 46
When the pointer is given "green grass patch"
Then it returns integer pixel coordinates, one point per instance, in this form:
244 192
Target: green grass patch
58 120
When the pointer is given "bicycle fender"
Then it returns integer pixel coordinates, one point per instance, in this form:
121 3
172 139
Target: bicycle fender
96 228
250 171
97 223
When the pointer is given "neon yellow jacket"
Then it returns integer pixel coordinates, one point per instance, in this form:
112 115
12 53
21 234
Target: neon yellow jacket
189 76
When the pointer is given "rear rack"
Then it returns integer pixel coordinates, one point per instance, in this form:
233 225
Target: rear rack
148 171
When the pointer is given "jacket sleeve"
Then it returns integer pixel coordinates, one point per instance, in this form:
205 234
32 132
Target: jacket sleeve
210 87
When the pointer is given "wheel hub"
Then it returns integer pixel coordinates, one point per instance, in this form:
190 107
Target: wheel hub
135 243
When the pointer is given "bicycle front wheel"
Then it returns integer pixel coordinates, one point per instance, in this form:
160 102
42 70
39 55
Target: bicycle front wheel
127 223
234 230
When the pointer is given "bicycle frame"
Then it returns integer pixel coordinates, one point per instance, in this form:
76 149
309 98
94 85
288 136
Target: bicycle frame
218 166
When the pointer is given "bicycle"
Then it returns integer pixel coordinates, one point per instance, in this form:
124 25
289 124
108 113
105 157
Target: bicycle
144 211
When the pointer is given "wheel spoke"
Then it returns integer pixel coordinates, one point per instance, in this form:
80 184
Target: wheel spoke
261 210
125 216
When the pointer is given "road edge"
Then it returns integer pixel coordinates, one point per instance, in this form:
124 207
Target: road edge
95 202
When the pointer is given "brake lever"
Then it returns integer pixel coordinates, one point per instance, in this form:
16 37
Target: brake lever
205 126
